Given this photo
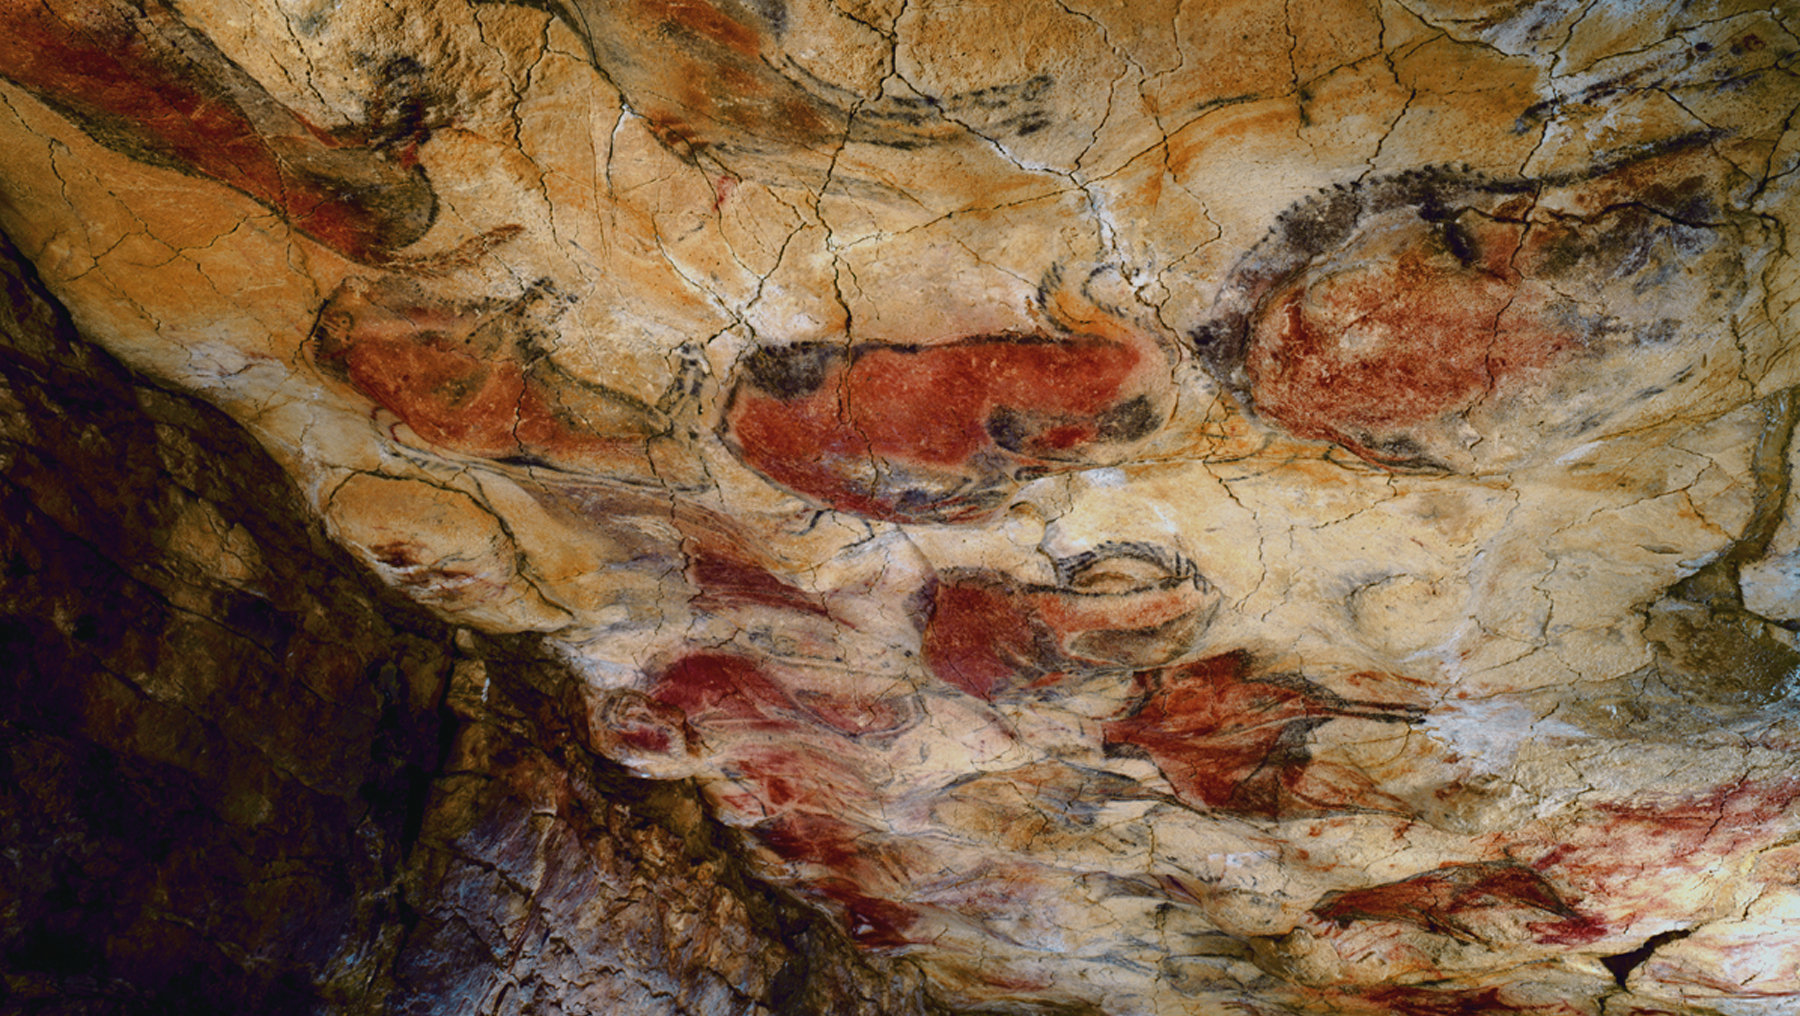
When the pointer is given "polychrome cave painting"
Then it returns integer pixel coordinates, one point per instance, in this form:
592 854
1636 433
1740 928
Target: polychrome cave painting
1128 507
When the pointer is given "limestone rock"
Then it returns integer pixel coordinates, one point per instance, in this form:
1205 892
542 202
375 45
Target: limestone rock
1127 508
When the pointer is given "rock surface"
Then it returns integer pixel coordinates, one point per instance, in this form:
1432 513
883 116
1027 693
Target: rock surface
240 777
1125 508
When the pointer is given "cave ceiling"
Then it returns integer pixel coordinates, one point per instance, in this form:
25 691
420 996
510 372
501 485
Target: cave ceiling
1135 508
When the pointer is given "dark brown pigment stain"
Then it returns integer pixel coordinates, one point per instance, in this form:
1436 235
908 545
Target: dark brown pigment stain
938 433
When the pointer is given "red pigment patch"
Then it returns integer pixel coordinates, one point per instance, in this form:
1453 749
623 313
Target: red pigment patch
871 922
726 579
1666 834
718 686
719 690
631 725
1581 929
146 85
1732 811
856 716
987 631
1633 854
794 776
1229 740
1439 901
877 924
978 641
456 377
1363 354
450 398
645 739
399 554
937 433
813 839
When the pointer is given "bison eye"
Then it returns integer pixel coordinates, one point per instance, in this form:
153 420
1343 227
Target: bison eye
1118 575
1123 568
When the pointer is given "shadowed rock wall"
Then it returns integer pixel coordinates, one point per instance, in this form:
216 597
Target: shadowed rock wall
239 776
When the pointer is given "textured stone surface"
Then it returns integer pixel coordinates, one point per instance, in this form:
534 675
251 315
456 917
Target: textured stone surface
1137 508
241 778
